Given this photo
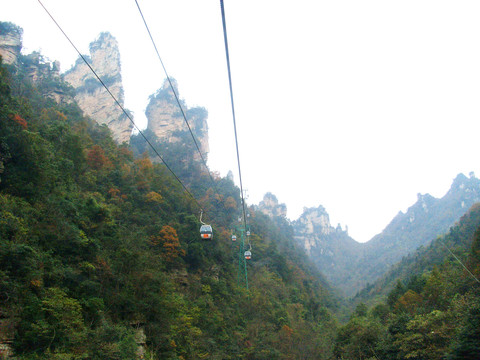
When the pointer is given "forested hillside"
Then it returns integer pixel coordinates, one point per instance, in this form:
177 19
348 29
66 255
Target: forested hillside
101 258
433 310
458 240
352 266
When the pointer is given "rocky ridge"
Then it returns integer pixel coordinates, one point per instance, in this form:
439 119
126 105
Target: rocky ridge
34 67
350 265
270 206
332 250
10 42
92 97
165 119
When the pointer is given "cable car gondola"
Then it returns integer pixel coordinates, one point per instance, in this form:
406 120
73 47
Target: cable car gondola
206 232
234 238
248 255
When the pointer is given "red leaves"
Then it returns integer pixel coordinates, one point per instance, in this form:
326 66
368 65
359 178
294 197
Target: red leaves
19 120
96 158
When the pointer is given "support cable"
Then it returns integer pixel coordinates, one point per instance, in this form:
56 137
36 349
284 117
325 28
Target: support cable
233 112
122 108
460 262
175 93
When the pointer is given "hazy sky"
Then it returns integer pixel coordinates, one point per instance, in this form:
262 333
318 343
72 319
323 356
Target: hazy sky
353 105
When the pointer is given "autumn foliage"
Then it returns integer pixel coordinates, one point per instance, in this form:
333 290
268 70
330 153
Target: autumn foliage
96 158
19 120
168 244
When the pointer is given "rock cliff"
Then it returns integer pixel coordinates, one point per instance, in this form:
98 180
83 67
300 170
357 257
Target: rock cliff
166 121
92 97
10 42
270 206
330 248
34 67
350 266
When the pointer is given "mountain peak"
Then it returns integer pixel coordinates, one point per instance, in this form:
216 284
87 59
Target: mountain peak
270 206
166 121
464 191
10 42
314 220
91 96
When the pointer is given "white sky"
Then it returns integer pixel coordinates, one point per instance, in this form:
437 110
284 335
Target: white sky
354 105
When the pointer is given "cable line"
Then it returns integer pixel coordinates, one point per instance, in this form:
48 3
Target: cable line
233 111
121 107
460 262
242 256
174 92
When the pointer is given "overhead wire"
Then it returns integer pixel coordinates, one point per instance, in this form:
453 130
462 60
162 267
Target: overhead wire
233 113
123 109
175 95
460 262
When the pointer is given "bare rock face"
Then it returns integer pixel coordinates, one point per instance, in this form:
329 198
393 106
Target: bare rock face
10 42
312 224
38 69
92 97
166 120
270 206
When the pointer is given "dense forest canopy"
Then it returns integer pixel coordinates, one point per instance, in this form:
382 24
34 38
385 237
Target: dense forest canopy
101 258
432 310
100 255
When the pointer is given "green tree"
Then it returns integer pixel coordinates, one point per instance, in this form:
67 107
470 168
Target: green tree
466 344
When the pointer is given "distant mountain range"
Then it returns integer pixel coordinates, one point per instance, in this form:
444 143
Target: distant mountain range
351 266
411 268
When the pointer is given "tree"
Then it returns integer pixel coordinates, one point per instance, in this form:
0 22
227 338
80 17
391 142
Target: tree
168 243
96 158
466 345
427 336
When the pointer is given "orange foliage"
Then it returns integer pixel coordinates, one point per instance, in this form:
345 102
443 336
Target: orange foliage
286 331
22 122
126 153
116 195
169 244
61 116
145 164
408 302
47 115
36 283
114 192
230 203
143 184
96 158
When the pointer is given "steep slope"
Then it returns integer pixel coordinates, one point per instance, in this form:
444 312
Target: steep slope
10 42
332 250
423 222
92 97
421 261
100 255
433 313
165 119
351 266
270 206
